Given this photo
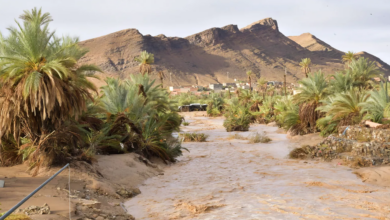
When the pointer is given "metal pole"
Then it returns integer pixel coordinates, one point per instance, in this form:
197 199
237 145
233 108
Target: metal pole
31 194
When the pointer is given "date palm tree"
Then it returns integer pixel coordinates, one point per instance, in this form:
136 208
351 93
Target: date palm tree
145 60
262 84
363 73
161 75
42 84
249 74
313 89
305 66
348 57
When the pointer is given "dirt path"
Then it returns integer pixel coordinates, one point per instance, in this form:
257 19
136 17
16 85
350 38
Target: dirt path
230 179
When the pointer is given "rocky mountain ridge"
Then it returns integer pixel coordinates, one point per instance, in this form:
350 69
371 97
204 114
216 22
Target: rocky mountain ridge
217 55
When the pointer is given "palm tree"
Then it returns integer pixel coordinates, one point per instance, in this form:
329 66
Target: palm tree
161 75
312 90
341 82
145 120
262 84
43 89
342 109
249 74
42 84
375 106
305 66
145 60
363 73
349 57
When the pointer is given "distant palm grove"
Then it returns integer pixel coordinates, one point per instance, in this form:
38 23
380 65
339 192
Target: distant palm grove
50 113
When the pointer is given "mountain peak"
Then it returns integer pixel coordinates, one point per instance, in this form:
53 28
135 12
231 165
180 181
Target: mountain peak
259 25
311 42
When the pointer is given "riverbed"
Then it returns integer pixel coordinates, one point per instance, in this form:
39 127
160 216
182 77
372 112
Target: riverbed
226 178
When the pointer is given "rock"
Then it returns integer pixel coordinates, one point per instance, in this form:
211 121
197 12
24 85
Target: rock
89 203
100 218
33 210
128 193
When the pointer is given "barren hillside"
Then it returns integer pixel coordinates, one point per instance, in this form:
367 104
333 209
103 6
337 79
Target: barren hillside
217 54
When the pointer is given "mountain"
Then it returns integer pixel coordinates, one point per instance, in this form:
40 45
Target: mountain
217 54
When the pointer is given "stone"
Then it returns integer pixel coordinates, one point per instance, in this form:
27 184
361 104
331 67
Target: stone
90 203
128 193
33 210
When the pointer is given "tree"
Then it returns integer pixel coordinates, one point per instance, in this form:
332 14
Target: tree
312 90
161 75
249 74
348 57
262 84
305 66
44 90
375 106
341 82
42 84
145 60
363 73
341 109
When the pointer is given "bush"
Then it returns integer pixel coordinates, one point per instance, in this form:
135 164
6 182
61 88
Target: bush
259 138
193 137
238 118
299 153
186 123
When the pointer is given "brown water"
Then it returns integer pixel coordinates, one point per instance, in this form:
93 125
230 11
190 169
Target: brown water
231 179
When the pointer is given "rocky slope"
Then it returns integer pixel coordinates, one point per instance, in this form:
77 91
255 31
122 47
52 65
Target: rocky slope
216 54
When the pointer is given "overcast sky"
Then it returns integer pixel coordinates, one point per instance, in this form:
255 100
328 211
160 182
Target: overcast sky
354 25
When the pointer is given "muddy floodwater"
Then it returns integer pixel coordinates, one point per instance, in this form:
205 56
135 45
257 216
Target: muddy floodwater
227 178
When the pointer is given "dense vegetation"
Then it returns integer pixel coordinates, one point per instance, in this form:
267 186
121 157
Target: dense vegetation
51 114
321 104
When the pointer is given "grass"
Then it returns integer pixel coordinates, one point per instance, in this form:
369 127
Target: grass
259 138
237 136
17 217
194 137
186 123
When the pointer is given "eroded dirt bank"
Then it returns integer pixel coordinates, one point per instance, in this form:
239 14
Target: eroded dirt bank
229 179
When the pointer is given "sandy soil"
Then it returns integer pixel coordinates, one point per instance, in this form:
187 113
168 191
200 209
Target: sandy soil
96 183
226 178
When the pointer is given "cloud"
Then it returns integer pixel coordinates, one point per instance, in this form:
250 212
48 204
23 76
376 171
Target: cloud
346 25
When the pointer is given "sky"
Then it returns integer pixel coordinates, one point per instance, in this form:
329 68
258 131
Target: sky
347 25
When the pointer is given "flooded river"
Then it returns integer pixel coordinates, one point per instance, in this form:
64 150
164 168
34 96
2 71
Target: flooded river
226 178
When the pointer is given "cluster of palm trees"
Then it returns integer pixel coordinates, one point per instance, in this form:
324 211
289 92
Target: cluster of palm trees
51 113
321 103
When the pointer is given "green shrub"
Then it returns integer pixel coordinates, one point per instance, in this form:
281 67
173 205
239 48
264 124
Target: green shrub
238 118
259 138
194 137
185 123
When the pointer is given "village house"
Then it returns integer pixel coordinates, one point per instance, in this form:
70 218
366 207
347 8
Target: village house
215 87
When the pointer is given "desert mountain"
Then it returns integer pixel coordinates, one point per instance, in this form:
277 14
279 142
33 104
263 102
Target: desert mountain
217 54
